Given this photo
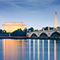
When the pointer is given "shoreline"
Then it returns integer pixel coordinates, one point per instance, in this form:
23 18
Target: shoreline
14 37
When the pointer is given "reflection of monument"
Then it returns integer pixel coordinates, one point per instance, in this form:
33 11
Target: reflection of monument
55 50
12 26
12 49
55 19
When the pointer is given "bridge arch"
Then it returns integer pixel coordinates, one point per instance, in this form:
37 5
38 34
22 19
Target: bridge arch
34 35
43 35
55 35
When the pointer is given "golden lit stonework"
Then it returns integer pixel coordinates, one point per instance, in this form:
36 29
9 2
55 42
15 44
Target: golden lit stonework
12 26
55 20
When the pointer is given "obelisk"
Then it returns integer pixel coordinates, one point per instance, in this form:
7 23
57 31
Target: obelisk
55 20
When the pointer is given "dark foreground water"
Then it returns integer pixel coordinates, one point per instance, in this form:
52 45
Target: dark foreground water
29 49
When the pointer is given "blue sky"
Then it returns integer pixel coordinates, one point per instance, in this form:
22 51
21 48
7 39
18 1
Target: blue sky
34 13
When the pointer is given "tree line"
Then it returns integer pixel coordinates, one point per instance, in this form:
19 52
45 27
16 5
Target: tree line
21 32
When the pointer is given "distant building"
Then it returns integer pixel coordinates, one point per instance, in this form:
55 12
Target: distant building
12 26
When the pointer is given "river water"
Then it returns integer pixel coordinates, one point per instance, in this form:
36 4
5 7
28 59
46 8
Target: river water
29 49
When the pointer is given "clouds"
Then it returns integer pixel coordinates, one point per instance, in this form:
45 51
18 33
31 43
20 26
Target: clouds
56 2
30 3
29 11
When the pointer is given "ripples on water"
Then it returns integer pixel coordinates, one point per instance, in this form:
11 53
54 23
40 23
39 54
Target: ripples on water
29 49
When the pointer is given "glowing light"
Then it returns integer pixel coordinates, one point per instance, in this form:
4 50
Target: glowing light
34 49
10 46
38 49
29 49
55 20
4 48
48 28
43 48
37 29
55 49
33 30
48 49
23 49
29 30
27 35
12 26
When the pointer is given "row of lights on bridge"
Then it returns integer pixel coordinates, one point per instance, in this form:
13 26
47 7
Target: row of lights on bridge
43 29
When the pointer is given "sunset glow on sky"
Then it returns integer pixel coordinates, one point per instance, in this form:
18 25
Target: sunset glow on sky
34 13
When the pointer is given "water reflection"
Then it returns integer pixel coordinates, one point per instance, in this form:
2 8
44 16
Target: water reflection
33 49
55 50
43 48
12 50
30 49
4 49
38 49
23 49
48 49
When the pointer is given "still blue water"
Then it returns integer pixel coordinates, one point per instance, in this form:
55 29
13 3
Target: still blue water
29 49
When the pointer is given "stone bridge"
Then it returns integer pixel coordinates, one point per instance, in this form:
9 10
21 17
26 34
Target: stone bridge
45 34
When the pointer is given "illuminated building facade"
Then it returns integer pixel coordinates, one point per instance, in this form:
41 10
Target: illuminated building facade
12 26
55 20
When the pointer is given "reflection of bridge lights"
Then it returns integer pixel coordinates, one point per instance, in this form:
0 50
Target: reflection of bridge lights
43 48
34 49
48 49
38 49
29 49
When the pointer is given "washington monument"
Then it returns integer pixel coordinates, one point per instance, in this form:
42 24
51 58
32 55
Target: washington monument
55 20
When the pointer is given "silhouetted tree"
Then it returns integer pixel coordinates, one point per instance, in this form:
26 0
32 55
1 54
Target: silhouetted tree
19 32
46 28
2 31
31 29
